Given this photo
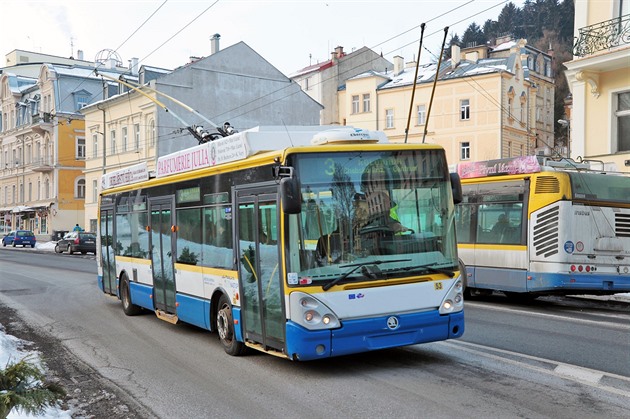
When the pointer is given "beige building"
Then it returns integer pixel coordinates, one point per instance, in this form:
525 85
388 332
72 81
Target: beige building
42 141
599 79
321 81
489 102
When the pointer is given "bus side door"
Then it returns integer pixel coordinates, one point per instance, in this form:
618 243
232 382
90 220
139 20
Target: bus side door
162 243
107 256
261 290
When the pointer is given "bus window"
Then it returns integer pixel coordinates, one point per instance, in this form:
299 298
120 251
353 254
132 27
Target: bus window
500 223
188 236
217 237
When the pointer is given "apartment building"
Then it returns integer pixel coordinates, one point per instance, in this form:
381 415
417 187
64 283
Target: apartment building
489 102
321 81
599 79
42 140
234 85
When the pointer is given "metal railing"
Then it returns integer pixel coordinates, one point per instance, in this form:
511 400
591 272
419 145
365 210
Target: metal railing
602 36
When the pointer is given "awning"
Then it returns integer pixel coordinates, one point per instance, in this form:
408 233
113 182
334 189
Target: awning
22 208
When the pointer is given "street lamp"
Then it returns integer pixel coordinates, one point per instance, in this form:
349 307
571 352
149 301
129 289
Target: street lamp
565 123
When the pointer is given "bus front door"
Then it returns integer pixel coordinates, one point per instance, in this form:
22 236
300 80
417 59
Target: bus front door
262 304
162 242
108 263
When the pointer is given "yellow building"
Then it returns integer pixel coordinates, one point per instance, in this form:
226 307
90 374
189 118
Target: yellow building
489 102
599 79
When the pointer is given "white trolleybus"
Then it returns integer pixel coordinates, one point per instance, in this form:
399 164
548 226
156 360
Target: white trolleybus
330 244
530 226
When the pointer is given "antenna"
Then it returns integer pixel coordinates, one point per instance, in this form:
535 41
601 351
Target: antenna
71 47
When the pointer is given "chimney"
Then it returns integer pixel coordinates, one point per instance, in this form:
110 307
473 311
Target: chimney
80 55
398 65
456 55
472 56
214 43
410 64
133 66
339 52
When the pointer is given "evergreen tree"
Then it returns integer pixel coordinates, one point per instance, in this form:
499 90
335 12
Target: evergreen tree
473 36
22 386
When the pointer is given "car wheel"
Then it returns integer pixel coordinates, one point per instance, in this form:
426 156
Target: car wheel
83 252
70 250
33 245
13 244
57 248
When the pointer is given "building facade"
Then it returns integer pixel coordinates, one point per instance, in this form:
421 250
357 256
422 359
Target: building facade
599 79
234 85
321 81
488 102
42 141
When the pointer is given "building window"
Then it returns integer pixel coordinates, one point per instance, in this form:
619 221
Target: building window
622 116
30 191
464 150
136 135
152 133
82 101
509 108
94 145
112 142
95 191
389 118
464 109
80 189
124 139
509 149
80 148
422 114
355 104
47 189
366 102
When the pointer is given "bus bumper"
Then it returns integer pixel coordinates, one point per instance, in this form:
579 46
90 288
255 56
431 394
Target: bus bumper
365 335
579 282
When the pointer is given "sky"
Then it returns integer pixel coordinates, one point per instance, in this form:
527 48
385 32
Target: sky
289 34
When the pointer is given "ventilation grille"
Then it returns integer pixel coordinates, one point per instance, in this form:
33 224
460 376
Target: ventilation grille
546 241
547 184
622 225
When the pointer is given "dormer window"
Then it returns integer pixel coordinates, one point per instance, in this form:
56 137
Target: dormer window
81 99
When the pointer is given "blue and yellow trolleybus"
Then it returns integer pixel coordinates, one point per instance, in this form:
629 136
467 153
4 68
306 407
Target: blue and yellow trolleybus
298 244
530 228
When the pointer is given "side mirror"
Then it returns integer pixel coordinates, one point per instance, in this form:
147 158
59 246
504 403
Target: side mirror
290 195
456 186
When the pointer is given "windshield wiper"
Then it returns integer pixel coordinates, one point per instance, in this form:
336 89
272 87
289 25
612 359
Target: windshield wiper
355 267
431 267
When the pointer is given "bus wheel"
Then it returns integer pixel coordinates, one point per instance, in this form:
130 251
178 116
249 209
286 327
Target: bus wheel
225 327
129 308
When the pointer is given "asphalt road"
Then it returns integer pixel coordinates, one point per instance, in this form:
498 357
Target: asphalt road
179 371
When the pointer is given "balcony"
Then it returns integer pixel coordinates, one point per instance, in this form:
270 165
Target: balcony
603 36
42 165
42 123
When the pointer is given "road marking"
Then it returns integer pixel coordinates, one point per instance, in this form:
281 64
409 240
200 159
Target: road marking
624 327
581 375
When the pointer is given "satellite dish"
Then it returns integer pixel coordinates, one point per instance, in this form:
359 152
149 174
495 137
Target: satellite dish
104 55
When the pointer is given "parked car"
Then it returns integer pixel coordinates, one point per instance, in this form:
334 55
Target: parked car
20 238
77 241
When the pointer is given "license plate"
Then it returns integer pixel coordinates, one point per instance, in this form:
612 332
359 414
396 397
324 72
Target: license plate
89 241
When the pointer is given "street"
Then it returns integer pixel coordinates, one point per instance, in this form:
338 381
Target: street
551 359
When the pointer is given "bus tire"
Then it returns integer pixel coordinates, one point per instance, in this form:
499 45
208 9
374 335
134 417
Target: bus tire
129 308
225 328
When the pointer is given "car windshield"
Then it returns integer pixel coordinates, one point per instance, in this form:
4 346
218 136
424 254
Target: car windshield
385 212
88 236
25 233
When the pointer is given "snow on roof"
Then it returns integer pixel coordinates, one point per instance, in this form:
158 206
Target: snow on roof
504 46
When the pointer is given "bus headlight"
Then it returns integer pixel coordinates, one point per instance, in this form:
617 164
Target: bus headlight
311 313
453 300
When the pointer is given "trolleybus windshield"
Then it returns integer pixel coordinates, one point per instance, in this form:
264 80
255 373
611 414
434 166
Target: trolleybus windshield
384 211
